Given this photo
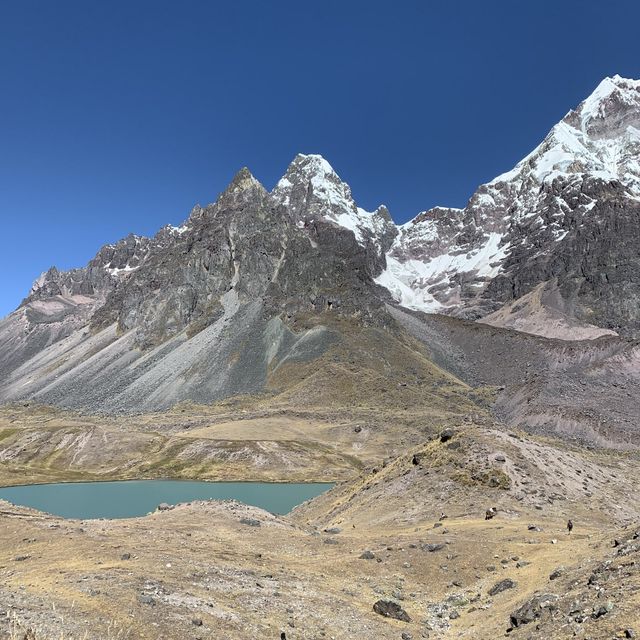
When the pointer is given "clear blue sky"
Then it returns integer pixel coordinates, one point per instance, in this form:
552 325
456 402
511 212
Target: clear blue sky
117 117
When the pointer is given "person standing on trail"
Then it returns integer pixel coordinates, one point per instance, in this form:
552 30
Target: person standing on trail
569 526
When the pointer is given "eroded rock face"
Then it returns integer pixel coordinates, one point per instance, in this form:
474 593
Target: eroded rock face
199 312
595 267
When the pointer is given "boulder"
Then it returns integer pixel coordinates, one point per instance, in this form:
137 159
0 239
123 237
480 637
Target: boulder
390 609
250 522
501 586
447 434
557 572
533 609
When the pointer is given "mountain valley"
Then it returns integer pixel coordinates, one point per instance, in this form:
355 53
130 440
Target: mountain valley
469 380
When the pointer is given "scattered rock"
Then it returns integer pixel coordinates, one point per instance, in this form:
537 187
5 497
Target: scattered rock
390 609
333 530
163 506
367 555
533 609
196 622
557 572
602 610
501 586
431 547
125 556
250 522
447 434
330 541
145 599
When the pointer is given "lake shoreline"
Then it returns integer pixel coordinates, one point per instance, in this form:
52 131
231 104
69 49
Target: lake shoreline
133 499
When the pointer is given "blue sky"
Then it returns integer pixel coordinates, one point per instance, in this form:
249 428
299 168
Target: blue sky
117 117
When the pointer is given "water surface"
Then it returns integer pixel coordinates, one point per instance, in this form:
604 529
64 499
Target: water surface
133 498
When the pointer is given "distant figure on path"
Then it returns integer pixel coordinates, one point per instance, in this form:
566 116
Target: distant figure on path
489 513
569 526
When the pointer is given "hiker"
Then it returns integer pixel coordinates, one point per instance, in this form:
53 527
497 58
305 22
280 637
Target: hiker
569 526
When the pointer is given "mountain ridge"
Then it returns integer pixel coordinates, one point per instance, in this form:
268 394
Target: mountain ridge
443 258
211 308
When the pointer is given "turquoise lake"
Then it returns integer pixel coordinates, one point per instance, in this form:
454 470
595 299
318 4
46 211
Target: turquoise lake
131 498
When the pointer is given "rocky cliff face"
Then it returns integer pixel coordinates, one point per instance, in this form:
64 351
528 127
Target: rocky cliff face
204 310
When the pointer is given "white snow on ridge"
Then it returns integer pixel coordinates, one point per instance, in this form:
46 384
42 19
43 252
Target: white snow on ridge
400 279
409 281
327 193
601 139
119 271
571 149
594 106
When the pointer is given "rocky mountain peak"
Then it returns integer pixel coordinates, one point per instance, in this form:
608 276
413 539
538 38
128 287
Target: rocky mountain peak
46 283
531 227
611 108
311 187
600 137
312 190
243 188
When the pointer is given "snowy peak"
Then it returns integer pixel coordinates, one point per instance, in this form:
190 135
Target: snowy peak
505 241
615 99
601 137
311 186
311 189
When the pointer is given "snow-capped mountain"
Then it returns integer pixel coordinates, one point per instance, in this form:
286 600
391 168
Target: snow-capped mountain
204 310
522 229
246 283
311 190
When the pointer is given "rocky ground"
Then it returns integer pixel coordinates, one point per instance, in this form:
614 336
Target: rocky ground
422 439
319 420
406 537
